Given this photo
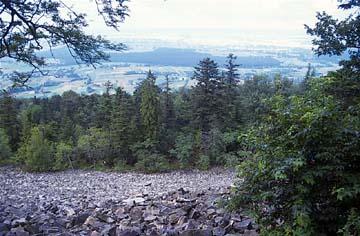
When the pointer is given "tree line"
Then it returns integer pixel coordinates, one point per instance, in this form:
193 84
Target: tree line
153 129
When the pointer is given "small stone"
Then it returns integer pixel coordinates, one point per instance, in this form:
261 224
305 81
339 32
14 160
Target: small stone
109 231
18 222
101 216
189 225
80 219
19 231
134 201
69 211
173 219
194 214
95 233
153 232
91 221
182 220
218 220
211 211
185 200
4 228
196 232
136 213
128 232
250 233
171 232
120 213
182 191
243 225
218 231
150 218
52 230
110 220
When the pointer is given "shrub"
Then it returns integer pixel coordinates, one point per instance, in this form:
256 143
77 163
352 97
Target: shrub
122 166
204 162
37 152
94 146
184 150
149 160
5 150
63 156
303 176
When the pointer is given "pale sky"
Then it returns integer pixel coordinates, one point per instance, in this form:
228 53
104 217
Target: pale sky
262 16
234 14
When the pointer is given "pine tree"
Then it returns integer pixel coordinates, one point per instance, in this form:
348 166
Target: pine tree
5 151
105 106
168 118
122 125
70 104
231 92
8 119
206 95
232 75
137 111
169 113
310 73
149 107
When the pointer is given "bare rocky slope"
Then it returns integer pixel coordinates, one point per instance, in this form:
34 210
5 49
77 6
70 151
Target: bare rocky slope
125 204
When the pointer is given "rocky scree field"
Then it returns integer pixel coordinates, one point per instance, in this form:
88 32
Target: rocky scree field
124 204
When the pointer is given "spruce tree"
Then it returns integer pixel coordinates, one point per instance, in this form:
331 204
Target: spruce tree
122 125
149 107
310 73
5 151
231 92
206 94
169 113
167 138
232 74
8 118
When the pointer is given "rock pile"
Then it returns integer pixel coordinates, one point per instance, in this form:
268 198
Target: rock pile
181 212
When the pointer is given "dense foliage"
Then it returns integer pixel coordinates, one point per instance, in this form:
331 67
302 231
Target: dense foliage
155 129
301 175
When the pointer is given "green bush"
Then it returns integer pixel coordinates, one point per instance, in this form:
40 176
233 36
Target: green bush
122 166
5 150
37 153
204 162
63 156
184 150
152 163
149 160
233 154
303 176
94 147
215 150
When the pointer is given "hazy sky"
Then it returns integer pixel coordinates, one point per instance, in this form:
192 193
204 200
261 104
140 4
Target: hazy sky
234 14
260 16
